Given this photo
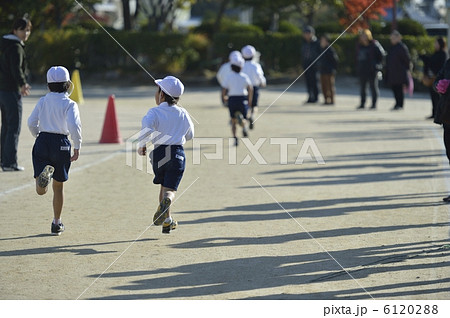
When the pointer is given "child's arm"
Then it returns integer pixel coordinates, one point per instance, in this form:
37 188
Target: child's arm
74 125
250 95
33 120
190 133
148 124
224 95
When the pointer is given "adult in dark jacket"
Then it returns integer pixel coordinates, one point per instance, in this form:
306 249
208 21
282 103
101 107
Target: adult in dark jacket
327 69
310 52
397 68
369 61
441 85
432 65
13 85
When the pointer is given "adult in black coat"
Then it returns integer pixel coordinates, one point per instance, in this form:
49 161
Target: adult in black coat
369 61
310 52
432 65
13 85
441 85
397 68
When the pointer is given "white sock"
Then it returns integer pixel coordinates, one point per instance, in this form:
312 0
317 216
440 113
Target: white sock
168 220
56 221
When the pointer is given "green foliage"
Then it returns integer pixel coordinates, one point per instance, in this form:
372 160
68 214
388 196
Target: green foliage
329 27
94 52
406 27
288 27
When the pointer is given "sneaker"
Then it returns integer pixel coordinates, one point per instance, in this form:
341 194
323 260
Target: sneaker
45 176
12 168
245 132
240 118
57 229
360 107
161 214
236 141
167 227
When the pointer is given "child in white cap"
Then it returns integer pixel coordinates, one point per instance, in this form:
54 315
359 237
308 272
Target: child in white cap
168 127
256 74
238 92
224 71
54 117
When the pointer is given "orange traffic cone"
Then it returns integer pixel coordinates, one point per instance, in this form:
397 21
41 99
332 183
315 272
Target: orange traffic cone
110 133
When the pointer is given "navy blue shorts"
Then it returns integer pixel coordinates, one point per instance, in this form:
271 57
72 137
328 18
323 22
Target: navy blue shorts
168 162
238 104
255 96
54 150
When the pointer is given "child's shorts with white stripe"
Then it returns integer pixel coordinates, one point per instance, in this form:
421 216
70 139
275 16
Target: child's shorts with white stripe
168 162
54 150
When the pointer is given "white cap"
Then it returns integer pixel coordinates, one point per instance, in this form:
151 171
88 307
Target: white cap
233 53
248 51
237 60
58 74
171 86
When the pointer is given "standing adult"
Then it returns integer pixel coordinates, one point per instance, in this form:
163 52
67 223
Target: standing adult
441 85
397 68
310 52
369 61
327 68
432 65
13 85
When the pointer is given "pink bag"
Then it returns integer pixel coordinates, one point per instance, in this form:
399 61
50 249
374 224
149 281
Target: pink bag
410 87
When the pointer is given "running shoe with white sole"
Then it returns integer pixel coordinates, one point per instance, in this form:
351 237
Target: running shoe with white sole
45 176
162 213
167 227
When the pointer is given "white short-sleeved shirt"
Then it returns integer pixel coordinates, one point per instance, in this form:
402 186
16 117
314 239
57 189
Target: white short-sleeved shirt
236 84
223 72
255 73
56 113
166 125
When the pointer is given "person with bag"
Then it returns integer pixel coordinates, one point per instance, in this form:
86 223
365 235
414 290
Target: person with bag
431 66
442 117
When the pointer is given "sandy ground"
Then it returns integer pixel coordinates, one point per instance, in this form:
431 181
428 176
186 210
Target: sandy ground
369 223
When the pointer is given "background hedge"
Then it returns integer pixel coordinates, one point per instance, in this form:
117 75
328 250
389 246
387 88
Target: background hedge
98 55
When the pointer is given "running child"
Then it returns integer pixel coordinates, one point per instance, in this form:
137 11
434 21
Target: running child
54 117
224 71
256 74
169 127
237 91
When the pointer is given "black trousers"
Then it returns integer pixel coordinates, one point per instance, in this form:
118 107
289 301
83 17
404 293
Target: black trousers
398 94
372 80
11 111
447 140
434 100
311 84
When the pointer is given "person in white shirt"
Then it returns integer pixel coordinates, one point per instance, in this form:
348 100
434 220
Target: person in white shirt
168 126
238 92
256 74
54 117
224 71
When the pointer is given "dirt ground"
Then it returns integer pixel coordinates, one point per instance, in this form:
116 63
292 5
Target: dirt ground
369 223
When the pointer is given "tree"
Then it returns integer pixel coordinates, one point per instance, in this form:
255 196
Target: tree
44 14
362 11
161 14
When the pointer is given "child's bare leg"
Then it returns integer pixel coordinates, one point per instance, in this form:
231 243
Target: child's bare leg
58 199
167 193
39 190
233 126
